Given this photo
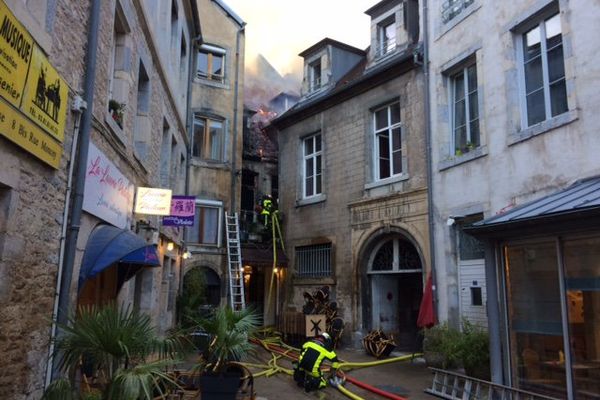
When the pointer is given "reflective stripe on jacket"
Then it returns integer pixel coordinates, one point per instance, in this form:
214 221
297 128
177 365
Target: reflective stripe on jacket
312 357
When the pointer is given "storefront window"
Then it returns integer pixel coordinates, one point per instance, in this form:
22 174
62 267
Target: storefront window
582 276
534 316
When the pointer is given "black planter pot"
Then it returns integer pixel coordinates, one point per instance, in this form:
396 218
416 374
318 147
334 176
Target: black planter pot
219 387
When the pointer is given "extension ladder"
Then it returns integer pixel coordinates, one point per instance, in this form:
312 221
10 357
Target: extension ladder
453 386
234 262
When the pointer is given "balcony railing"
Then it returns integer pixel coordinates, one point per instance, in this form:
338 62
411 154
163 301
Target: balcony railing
385 47
452 8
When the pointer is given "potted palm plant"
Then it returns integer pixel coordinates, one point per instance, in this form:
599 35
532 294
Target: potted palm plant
228 333
120 349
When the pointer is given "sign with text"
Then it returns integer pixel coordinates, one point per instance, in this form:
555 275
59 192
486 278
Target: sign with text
108 193
18 129
183 209
45 99
30 84
16 47
153 201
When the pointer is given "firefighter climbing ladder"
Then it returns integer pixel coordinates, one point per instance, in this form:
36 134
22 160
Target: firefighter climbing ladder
234 261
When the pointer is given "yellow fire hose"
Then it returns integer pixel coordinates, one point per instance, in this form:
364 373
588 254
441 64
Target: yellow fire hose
272 368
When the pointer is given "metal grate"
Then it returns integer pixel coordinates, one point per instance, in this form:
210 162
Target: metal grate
313 261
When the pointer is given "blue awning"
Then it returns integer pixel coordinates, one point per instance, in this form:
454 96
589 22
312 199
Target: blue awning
108 245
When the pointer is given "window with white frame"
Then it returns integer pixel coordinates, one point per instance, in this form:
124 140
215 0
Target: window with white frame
312 173
211 63
386 36
314 75
208 139
465 110
389 159
313 261
543 71
207 223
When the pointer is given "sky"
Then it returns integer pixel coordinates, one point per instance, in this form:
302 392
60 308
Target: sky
280 29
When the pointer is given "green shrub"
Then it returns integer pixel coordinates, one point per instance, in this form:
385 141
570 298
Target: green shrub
442 344
475 351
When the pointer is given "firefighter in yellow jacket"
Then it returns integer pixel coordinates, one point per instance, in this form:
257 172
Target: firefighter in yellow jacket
307 372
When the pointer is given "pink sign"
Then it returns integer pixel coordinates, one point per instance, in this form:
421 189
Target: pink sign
183 206
108 193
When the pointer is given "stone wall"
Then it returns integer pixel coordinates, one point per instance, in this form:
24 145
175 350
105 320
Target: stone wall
515 163
32 195
346 131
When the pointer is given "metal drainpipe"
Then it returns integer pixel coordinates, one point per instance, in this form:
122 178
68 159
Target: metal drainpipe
235 118
190 130
77 108
76 211
429 157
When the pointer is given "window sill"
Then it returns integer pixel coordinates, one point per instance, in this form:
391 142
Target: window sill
543 127
311 200
115 129
386 181
211 82
474 154
326 280
197 248
214 164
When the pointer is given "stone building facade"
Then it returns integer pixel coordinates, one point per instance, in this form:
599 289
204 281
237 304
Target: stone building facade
216 106
354 187
513 92
509 155
140 142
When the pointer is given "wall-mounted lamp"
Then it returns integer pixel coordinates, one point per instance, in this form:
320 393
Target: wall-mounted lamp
275 270
170 246
186 255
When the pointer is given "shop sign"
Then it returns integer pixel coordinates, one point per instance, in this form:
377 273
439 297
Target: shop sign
108 193
153 201
21 131
32 91
183 209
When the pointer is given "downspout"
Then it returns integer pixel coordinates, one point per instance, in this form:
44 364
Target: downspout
235 118
76 211
77 107
429 157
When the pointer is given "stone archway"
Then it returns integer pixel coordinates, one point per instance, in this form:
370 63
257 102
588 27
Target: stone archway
212 281
391 269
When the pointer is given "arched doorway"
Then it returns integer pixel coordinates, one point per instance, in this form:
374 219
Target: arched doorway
394 275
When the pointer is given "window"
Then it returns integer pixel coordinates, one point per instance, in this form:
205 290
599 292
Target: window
388 142
465 110
386 37
476 296
395 255
314 70
312 166
211 63
313 261
207 223
118 86
143 126
165 155
208 139
452 8
545 93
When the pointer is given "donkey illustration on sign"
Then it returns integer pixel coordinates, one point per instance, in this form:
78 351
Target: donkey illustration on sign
48 98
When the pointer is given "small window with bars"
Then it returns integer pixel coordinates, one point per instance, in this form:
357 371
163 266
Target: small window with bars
313 261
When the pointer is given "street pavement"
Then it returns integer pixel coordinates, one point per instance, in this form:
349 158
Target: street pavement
405 378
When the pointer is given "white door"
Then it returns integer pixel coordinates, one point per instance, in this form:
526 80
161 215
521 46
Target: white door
472 290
